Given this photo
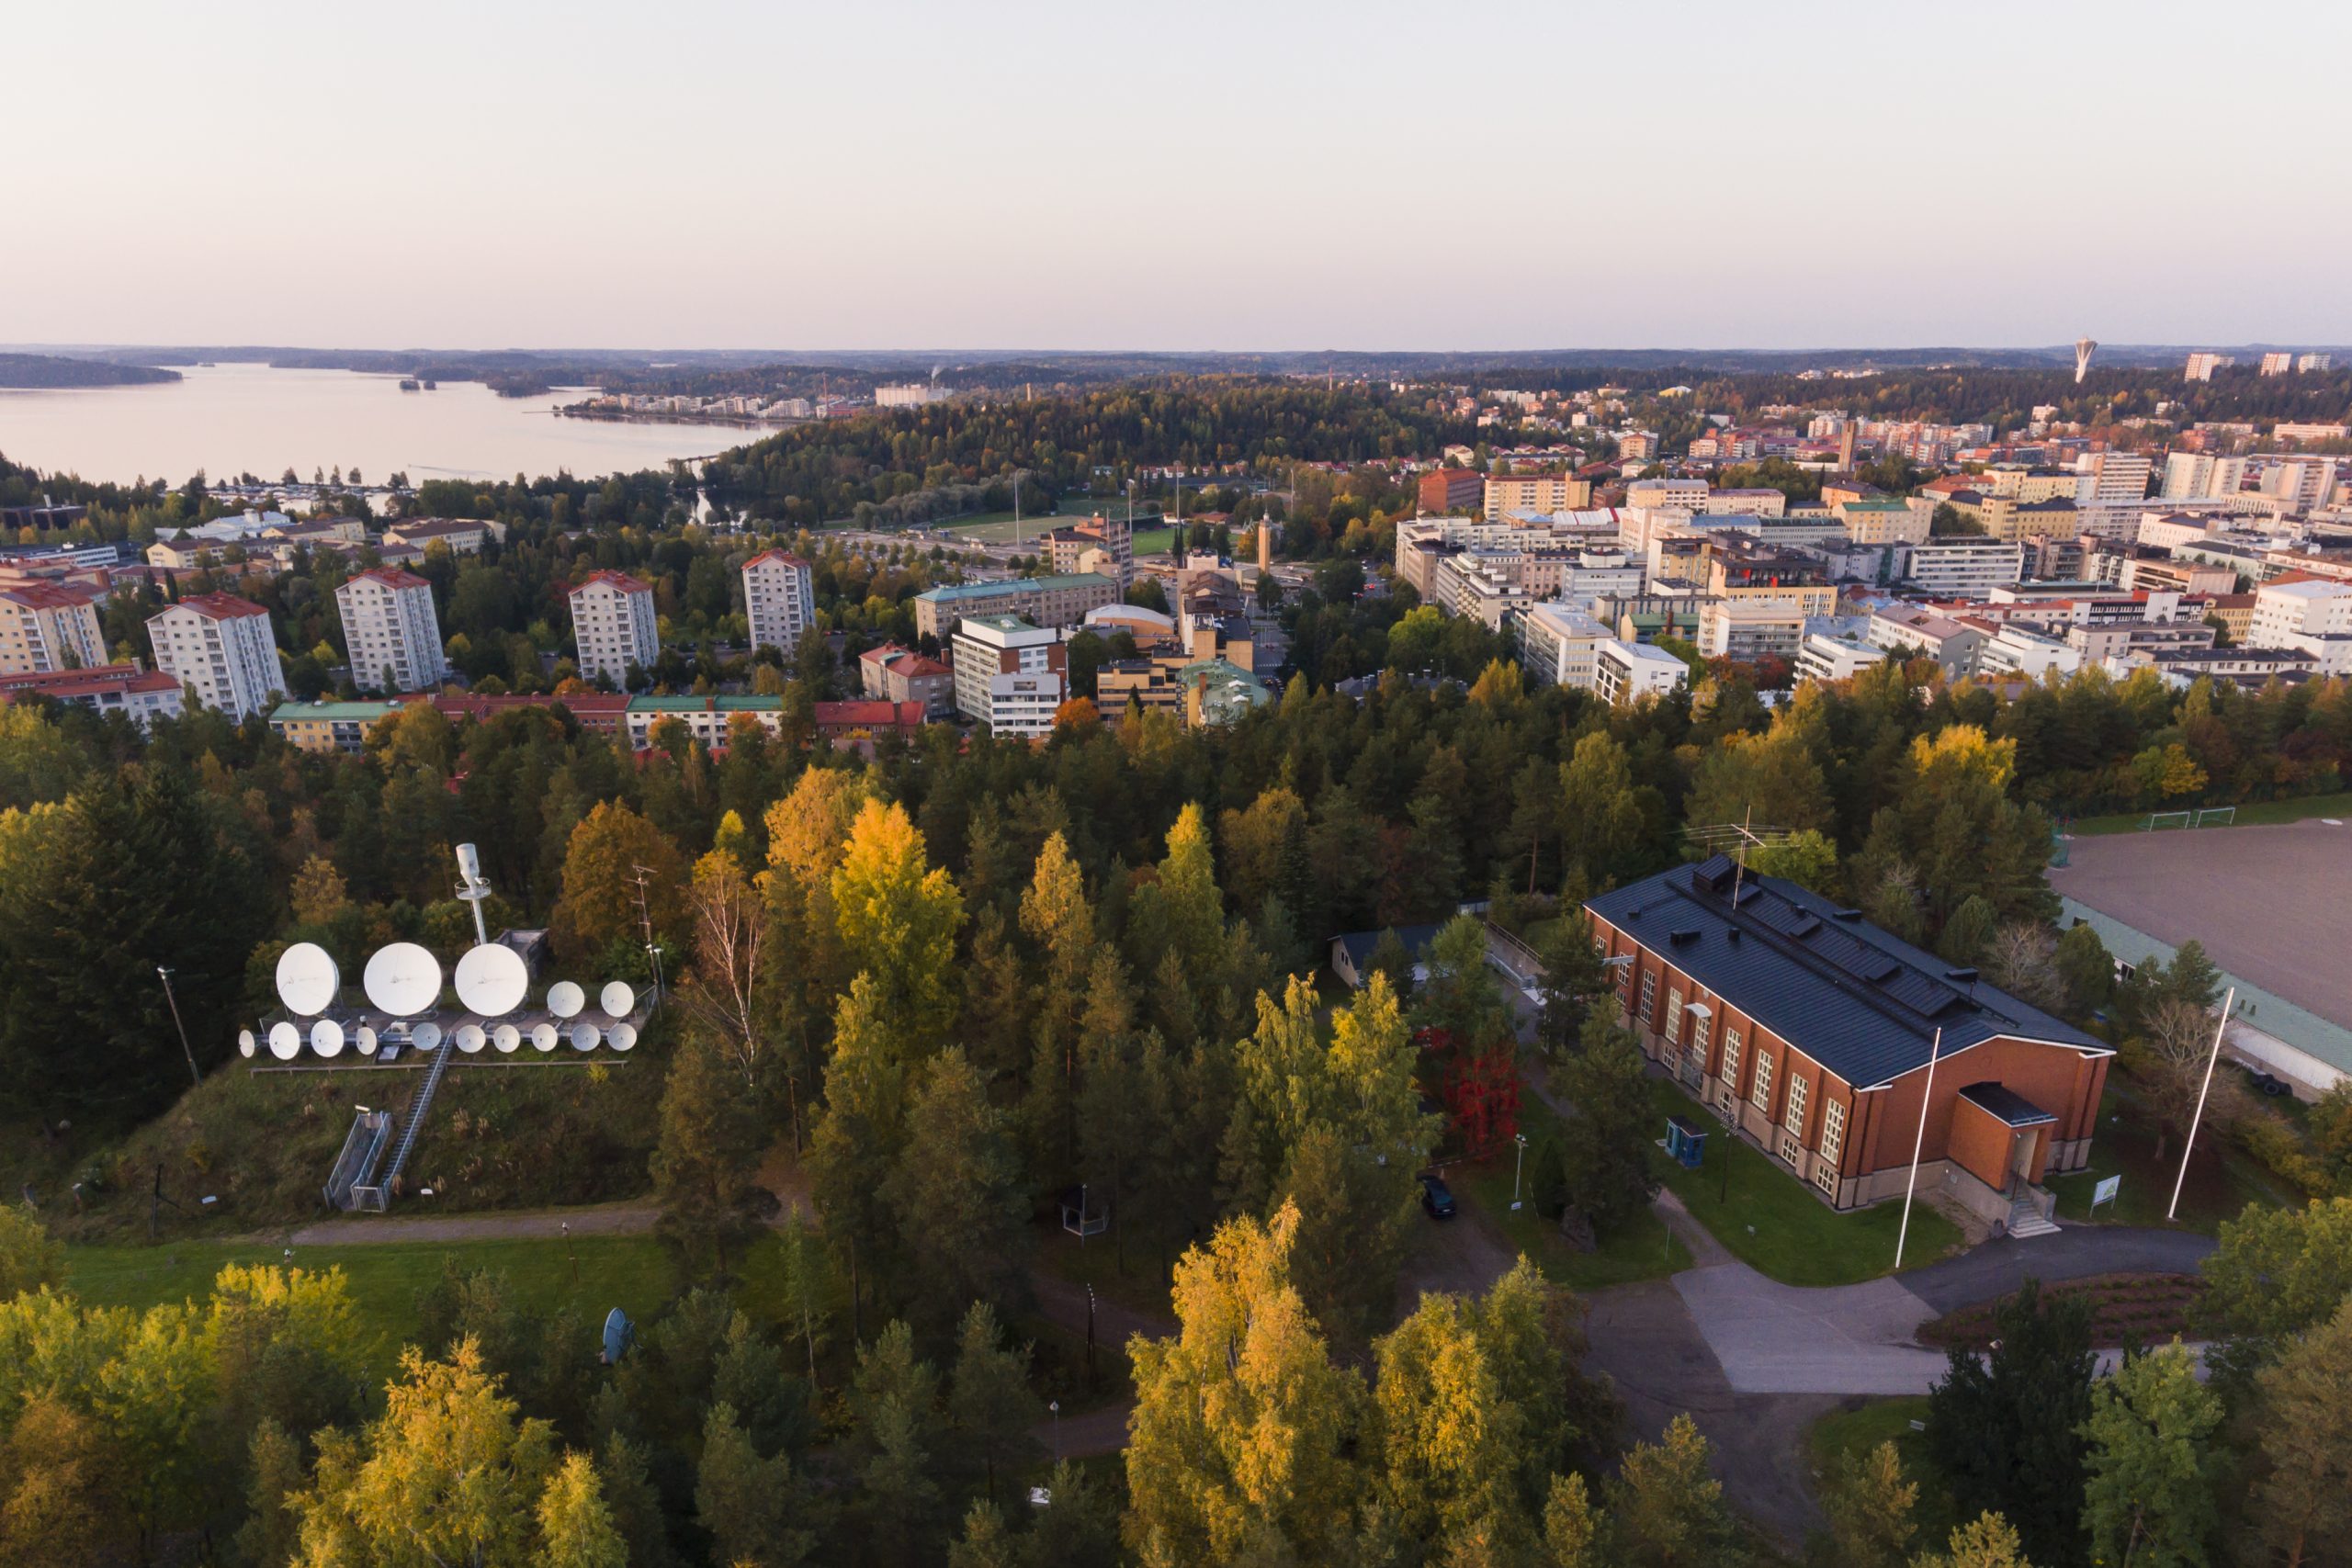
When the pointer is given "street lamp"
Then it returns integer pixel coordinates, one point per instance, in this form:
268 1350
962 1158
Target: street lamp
1517 1165
193 1076
1053 1408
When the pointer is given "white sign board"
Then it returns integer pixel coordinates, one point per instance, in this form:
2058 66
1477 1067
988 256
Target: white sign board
2106 1190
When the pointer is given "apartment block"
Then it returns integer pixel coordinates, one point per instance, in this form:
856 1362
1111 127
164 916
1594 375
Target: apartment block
219 646
138 694
1951 643
901 675
1058 600
1009 674
390 635
49 627
2201 476
779 600
1965 567
613 627
1451 489
1557 645
1628 671
1506 493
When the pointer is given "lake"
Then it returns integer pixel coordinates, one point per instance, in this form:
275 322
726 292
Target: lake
232 419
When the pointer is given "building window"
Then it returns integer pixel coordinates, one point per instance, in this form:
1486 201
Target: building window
1825 1176
1789 1150
1762 1094
1650 996
1731 1056
1699 1040
1673 1017
1833 1130
1794 1117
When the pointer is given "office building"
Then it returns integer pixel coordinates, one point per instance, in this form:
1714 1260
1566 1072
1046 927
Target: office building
1963 567
1009 675
1557 645
2201 476
779 599
1629 672
1506 493
46 626
907 395
1058 601
391 639
219 646
1451 489
614 627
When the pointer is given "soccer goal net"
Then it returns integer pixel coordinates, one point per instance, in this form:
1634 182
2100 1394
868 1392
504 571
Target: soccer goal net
2212 816
2159 820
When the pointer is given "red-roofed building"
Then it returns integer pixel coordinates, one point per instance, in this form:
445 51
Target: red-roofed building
779 600
46 626
901 675
390 635
138 694
219 646
859 723
613 627
599 713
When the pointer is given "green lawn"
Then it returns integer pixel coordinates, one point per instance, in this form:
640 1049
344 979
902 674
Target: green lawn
633 1273
1861 1426
1644 1249
2253 814
2222 1180
1772 1221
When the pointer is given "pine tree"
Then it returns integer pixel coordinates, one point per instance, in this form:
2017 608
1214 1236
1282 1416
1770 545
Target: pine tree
705 1166
2005 1428
894 1400
576 1529
1870 1505
1576 1533
857 1144
636 1507
1985 1542
1667 1510
989 1401
2304 1414
272 1529
2150 1492
746 1503
1605 1156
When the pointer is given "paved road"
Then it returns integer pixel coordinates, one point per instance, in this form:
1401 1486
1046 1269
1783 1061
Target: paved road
2076 1252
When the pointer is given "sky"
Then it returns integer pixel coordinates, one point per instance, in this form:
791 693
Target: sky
864 173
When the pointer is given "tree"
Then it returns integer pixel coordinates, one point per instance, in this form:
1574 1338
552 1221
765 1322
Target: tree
318 893
988 1398
1869 1504
1807 857
602 882
576 1529
856 1145
725 992
1985 1542
1605 1156
272 1529
957 1188
1445 1437
636 1507
2150 1494
894 1400
2276 1273
1237 1448
747 1503
1667 1510
30 1258
2175 1044
2021 959
2006 1428
899 916
1600 817
1573 979
1575 1531
2085 968
2304 1412
705 1166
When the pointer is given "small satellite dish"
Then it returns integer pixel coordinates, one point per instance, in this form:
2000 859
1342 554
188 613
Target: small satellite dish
506 1037
618 999
244 1042
404 979
326 1037
306 979
584 1036
492 980
620 1335
565 999
621 1036
365 1038
426 1036
545 1037
470 1038
285 1041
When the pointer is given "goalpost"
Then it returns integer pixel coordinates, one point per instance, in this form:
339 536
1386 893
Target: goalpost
2159 820
2224 814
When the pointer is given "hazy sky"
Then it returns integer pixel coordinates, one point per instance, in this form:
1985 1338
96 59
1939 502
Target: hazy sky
857 174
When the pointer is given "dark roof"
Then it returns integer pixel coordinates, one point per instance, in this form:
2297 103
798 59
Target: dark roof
1858 1000
2006 1105
1358 944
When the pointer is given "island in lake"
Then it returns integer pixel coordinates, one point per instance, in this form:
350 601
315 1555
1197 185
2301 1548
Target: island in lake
48 371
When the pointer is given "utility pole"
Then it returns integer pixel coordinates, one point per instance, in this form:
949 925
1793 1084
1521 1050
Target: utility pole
2189 1144
193 1076
645 923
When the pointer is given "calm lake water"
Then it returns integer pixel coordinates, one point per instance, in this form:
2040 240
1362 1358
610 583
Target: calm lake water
232 419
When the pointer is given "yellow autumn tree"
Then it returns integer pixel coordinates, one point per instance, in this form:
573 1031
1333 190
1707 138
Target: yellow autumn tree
609 851
897 915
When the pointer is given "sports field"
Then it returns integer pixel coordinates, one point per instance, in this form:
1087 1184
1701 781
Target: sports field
2266 902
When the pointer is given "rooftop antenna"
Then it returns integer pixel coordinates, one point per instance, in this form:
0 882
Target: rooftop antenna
1736 838
645 920
2084 348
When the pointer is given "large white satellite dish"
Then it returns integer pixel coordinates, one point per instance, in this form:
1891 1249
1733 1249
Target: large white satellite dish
404 979
506 1037
326 1037
306 979
545 1037
584 1036
470 1038
618 999
492 980
365 1038
244 1042
565 999
621 1036
285 1041
426 1036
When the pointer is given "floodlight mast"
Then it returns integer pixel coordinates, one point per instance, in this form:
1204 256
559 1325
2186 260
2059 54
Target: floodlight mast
472 888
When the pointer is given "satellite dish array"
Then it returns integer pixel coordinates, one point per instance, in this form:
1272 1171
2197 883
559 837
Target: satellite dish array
404 979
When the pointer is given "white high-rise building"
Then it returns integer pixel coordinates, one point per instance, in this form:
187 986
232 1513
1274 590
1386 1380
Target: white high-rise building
613 625
49 627
2306 484
2201 476
780 599
2276 364
1009 674
2112 475
219 646
391 634
2201 366
2310 363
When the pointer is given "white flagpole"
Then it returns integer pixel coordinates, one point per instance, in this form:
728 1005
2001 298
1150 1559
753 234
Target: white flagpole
1919 1142
2189 1144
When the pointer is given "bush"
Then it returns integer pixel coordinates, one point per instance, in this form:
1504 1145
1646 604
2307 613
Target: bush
2266 1136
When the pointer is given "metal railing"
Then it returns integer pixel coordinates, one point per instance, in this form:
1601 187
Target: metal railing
357 1163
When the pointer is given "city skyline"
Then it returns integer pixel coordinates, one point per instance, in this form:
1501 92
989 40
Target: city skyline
1303 178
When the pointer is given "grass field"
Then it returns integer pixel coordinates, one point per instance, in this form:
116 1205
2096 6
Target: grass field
997 527
1645 1249
2254 814
2222 1179
1772 1221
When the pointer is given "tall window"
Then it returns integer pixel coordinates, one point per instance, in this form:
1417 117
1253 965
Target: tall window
1794 1117
1833 1130
1731 1056
1674 1017
1699 1031
1650 996
1762 1094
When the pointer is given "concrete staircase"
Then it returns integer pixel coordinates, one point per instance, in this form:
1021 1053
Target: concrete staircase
2026 1219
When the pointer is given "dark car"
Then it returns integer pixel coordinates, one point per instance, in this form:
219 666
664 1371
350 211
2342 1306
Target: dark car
1436 1198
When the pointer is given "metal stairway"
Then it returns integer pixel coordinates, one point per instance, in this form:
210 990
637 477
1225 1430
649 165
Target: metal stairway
374 1198
356 1164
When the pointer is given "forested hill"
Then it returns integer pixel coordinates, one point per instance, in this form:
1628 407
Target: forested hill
28 370
823 471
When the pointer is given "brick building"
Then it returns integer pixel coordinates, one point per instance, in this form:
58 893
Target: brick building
1451 489
1809 1031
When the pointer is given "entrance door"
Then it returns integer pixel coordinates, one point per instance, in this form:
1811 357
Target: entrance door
2021 1147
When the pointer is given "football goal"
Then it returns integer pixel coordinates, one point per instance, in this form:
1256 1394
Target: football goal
2159 820
2217 817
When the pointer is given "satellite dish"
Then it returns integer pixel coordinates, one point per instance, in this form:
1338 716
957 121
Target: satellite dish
545 1037
620 1335
565 999
618 999
306 979
404 979
506 1037
326 1037
492 980
470 1038
584 1036
285 1041
621 1036
426 1036
365 1038
244 1042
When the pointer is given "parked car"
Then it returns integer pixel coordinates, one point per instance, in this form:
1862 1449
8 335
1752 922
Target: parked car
1436 1198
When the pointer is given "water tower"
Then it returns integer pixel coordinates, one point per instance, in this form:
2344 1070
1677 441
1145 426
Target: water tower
2084 348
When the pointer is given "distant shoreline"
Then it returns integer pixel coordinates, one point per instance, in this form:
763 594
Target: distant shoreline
42 372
